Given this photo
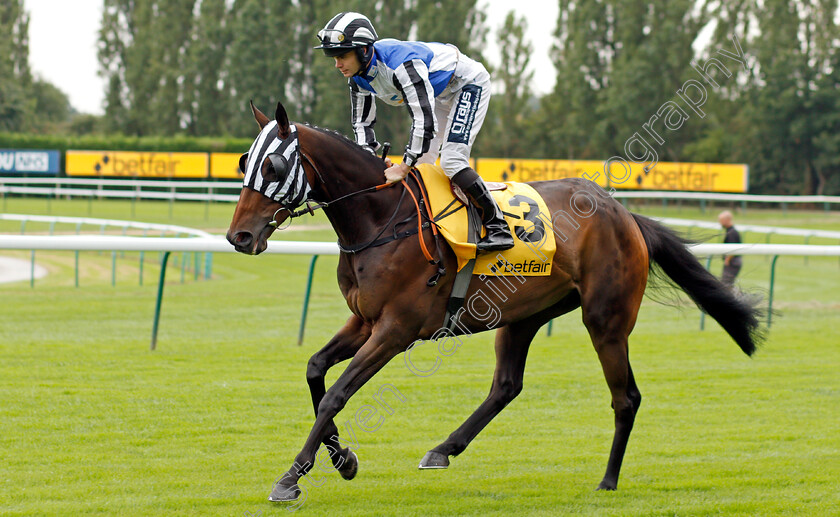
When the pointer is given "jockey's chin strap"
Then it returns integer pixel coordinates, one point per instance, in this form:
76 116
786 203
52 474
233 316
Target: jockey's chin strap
310 209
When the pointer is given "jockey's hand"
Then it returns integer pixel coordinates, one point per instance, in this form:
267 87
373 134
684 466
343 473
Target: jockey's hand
388 162
396 173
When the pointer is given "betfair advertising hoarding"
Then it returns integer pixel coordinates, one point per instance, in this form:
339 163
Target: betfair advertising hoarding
225 165
136 164
678 176
675 176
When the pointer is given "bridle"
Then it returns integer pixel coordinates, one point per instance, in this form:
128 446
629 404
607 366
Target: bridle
310 208
376 241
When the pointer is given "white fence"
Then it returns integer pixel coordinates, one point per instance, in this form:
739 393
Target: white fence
123 189
767 230
220 245
228 191
102 224
163 244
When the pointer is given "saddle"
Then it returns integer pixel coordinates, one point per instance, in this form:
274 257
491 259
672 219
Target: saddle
525 212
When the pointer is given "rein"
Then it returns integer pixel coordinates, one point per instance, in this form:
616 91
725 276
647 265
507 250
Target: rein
376 241
310 209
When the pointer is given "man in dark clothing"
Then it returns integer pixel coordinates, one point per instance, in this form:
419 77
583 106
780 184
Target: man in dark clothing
731 263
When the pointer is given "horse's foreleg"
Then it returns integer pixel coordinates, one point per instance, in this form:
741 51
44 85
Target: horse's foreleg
342 346
512 343
380 348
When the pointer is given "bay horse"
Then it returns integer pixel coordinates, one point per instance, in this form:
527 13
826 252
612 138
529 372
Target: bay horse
603 257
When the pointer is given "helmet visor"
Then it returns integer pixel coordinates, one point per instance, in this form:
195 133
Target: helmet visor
335 51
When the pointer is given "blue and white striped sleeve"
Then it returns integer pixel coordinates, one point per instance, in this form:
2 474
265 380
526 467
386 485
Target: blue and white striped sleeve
363 109
412 80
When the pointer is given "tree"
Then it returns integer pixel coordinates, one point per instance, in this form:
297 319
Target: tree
504 132
786 126
459 22
582 56
15 77
205 95
259 59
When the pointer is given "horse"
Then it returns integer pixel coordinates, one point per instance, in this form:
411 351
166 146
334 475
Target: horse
603 259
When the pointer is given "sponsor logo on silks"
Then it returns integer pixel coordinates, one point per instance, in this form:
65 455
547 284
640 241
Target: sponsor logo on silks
462 124
397 98
524 267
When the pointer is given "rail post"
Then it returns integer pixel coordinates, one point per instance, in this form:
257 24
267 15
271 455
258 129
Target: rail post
306 299
772 285
159 299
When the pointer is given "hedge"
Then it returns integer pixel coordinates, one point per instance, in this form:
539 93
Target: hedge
124 143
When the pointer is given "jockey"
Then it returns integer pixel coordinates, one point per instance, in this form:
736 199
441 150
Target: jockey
441 87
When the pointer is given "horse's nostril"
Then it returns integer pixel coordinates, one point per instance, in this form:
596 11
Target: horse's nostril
242 238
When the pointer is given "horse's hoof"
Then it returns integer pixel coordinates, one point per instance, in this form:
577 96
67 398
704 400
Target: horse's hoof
606 486
434 460
350 466
284 494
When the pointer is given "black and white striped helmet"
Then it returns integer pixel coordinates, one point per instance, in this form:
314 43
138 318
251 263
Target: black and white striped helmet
345 32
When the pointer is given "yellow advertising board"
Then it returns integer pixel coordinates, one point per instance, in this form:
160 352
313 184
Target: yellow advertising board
136 164
696 177
225 165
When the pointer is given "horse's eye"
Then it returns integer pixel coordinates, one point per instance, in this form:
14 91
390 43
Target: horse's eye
278 168
242 161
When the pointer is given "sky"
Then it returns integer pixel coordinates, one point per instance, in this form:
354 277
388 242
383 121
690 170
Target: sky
63 34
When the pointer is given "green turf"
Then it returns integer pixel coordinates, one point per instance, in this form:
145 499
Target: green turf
93 423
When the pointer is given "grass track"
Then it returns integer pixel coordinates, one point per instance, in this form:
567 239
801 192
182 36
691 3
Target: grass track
92 423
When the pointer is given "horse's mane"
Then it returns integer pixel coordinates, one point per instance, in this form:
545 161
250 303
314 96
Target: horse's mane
350 144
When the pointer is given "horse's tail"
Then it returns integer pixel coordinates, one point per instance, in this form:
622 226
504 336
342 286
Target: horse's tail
738 316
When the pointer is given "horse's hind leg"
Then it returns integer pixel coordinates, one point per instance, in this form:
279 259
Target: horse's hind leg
609 316
341 347
512 343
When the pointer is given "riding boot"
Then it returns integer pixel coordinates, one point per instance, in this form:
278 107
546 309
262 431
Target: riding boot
498 235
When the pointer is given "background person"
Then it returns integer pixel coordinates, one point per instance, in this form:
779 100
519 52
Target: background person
447 95
731 263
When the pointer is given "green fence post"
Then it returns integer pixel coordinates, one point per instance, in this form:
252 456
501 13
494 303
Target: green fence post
77 268
208 265
548 330
32 270
113 268
159 299
772 285
306 299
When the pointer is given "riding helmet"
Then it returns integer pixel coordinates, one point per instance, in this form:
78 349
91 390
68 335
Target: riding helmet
348 31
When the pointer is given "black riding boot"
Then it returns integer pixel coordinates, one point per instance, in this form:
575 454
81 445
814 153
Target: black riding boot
498 235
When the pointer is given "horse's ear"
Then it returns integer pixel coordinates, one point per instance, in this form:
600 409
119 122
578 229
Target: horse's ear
262 120
282 121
